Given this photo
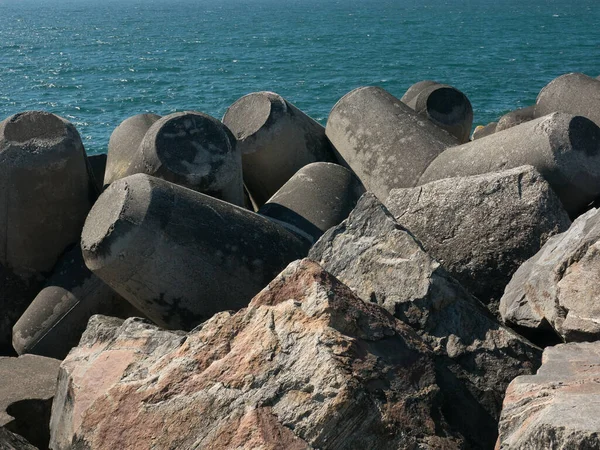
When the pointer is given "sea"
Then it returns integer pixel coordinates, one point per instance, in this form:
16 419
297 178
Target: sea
96 63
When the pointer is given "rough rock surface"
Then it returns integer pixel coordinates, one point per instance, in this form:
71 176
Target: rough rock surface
482 228
12 441
384 264
558 286
27 385
306 365
558 408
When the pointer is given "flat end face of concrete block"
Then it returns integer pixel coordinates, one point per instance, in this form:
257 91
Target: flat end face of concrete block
251 113
34 125
448 106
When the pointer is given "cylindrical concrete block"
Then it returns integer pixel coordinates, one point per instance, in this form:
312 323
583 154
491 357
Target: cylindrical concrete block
516 117
483 131
180 256
444 105
124 143
55 320
276 140
319 196
564 148
573 93
193 150
382 140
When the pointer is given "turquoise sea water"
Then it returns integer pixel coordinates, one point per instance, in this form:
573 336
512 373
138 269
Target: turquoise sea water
99 62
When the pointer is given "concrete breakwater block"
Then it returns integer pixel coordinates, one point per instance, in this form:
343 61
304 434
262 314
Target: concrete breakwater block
383 141
565 150
484 130
124 143
194 150
444 105
55 320
180 256
27 388
276 139
573 93
45 195
319 196
516 117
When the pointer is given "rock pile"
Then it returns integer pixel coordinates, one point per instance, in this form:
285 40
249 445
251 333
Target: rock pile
266 282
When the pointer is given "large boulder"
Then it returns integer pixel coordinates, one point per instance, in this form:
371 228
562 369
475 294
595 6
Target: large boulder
559 407
482 228
306 365
383 263
556 290
27 387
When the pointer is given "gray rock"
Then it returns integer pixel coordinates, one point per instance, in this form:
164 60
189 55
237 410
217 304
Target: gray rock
180 256
573 93
307 365
45 195
444 105
26 392
482 228
516 117
55 320
194 150
558 286
564 149
383 141
557 408
383 263
12 441
276 140
318 197
124 143
483 131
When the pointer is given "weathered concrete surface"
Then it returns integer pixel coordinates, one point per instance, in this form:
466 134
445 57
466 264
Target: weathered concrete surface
573 93
124 143
194 150
55 320
564 149
384 264
276 140
557 408
483 131
318 197
306 365
180 256
444 105
558 286
382 140
12 441
516 117
44 198
27 387
482 228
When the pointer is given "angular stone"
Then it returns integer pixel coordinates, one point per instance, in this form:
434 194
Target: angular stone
516 117
558 286
318 197
559 407
382 140
45 195
26 391
55 320
12 441
482 228
573 93
194 150
180 256
306 365
276 140
383 263
444 105
564 149
483 131
124 143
